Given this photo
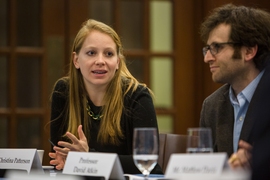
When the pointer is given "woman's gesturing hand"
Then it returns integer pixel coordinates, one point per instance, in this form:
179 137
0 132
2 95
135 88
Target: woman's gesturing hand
80 144
60 155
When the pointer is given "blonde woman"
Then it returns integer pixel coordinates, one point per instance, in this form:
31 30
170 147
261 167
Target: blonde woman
99 103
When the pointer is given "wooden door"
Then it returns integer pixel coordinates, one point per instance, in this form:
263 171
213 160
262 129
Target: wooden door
23 78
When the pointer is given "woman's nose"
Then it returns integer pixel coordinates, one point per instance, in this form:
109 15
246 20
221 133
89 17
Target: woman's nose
100 60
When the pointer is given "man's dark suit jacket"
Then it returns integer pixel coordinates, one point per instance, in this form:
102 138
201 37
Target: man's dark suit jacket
218 114
261 132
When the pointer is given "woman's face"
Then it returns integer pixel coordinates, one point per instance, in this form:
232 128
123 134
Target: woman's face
97 60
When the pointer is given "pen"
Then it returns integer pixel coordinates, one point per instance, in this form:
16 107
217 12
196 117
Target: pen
51 142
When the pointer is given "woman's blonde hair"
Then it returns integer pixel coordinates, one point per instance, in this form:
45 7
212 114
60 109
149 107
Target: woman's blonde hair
110 128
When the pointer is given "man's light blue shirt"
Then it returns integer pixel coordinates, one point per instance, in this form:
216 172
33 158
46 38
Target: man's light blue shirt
240 104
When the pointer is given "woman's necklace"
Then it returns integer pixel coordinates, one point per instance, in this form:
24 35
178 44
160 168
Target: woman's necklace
94 116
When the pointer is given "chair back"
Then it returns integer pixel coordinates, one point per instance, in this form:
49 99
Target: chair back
170 144
162 142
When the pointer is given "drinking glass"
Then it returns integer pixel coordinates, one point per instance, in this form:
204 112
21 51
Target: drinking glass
199 140
145 149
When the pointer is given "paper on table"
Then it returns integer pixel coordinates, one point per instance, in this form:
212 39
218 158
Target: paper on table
140 177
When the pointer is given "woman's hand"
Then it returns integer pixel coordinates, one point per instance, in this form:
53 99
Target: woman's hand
58 158
80 144
242 157
60 155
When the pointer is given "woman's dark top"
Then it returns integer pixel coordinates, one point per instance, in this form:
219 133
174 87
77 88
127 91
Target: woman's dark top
138 112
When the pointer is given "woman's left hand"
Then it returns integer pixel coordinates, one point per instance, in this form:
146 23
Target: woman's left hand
80 144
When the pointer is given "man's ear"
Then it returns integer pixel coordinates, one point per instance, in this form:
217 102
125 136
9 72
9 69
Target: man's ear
75 60
250 52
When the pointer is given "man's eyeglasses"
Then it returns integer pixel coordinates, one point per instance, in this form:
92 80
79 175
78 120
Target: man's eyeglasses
215 47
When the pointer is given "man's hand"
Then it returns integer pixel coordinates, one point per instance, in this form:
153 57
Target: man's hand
242 158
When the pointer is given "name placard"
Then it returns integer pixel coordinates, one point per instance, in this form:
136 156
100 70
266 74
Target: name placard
17 175
195 165
20 159
94 164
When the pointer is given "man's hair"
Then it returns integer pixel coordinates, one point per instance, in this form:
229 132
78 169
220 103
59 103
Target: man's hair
249 27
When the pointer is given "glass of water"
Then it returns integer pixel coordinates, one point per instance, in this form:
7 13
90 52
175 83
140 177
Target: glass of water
145 149
199 140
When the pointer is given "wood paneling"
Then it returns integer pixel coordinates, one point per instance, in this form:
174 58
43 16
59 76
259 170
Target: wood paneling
184 65
53 22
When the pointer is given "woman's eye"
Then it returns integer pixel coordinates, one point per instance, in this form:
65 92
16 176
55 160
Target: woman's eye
91 53
109 54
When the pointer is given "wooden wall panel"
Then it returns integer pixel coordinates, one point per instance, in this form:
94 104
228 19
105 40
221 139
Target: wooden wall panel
53 22
184 65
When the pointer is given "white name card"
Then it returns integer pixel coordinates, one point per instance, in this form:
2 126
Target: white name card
20 159
195 165
94 164
15 175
